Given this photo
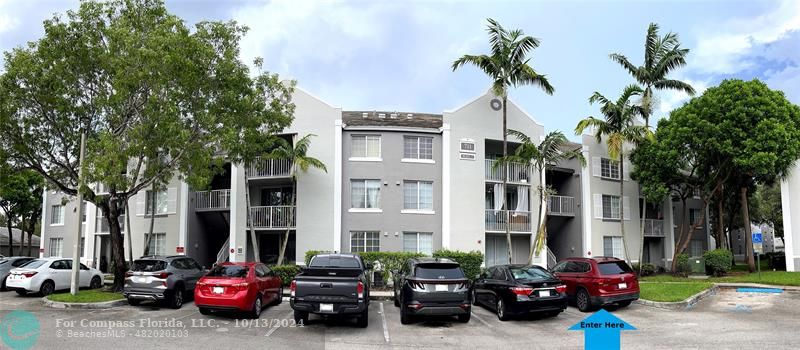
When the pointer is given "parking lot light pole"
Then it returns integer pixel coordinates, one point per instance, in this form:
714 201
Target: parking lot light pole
76 250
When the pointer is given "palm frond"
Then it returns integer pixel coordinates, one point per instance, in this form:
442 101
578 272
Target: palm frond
674 85
629 91
591 122
598 97
519 135
651 45
497 35
522 47
636 72
525 75
615 143
483 62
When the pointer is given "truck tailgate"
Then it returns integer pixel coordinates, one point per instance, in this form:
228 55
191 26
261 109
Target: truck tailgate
329 289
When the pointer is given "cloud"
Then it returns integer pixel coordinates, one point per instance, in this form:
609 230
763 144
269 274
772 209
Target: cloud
672 99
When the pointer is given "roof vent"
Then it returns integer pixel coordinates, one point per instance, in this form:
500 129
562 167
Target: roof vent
381 115
393 115
364 114
409 116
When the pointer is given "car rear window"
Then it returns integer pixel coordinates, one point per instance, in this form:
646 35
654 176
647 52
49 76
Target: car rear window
614 268
33 264
434 272
346 262
228 271
148 265
530 273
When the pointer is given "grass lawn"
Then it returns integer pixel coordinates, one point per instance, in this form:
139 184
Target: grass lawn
86 296
780 278
670 291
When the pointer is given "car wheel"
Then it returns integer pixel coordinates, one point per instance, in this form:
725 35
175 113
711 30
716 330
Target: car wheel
47 288
624 303
465 318
474 298
502 311
396 301
363 320
134 302
22 292
405 316
279 299
176 301
256 311
582 301
204 311
3 285
96 283
300 317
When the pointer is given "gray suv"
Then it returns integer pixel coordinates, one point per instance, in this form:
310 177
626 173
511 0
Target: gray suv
8 263
162 278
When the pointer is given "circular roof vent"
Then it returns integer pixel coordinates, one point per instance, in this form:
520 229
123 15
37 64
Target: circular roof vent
496 104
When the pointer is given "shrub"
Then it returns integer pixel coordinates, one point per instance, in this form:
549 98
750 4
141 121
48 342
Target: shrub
718 261
286 273
388 260
682 266
646 269
470 261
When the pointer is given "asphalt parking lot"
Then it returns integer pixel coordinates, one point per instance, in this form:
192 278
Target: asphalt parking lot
728 320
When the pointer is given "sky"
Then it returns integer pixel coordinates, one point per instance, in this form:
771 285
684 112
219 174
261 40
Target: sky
397 55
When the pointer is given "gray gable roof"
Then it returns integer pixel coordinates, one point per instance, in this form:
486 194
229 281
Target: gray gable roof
17 236
383 119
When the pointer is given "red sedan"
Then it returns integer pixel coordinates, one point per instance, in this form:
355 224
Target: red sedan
242 287
598 281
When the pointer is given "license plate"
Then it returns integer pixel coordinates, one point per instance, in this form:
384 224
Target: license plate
441 288
544 293
326 307
219 290
623 285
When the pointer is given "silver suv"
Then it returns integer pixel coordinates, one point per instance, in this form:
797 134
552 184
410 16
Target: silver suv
162 278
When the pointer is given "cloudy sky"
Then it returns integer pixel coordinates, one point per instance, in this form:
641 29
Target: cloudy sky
396 55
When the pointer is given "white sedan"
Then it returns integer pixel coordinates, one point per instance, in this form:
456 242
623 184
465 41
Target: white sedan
47 275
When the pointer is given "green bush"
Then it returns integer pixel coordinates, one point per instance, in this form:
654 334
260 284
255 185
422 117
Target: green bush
470 261
286 273
718 261
388 260
682 267
646 269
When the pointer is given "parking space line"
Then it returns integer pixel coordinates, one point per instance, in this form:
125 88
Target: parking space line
482 320
383 321
273 329
187 315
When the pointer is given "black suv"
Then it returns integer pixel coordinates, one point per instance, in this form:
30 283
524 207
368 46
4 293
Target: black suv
431 286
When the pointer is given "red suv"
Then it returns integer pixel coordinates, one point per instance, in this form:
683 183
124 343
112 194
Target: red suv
598 281
238 287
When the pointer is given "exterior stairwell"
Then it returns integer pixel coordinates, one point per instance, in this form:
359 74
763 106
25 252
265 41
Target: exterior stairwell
224 251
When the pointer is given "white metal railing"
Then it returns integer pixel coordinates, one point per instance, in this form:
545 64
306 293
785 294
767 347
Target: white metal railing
516 172
276 216
551 259
223 254
517 221
653 228
561 205
211 200
261 167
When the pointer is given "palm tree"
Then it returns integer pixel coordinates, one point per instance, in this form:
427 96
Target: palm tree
507 66
618 127
661 56
298 157
551 151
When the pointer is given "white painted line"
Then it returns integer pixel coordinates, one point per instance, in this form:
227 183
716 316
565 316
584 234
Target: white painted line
273 329
482 320
383 321
187 315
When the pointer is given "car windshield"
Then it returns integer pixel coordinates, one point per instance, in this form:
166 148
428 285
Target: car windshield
434 272
228 271
614 268
34 264
530 273
346 262
148 265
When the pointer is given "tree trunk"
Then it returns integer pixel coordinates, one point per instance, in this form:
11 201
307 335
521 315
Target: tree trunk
505 180
30 239
681 236
642 219
747 232
128 230
622 204
541 232
21 235
253 236
282 253
110 210
721 216
10 235
152 218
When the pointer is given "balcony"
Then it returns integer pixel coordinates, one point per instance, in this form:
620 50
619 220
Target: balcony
653 228
518 173
517 221
269 168
561 206
212 200
273 217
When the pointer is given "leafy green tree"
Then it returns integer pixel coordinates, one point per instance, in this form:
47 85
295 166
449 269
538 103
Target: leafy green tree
300 160
507 66
155 99
618 128
551 151
765 207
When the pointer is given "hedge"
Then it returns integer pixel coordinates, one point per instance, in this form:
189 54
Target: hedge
286 273
646 269
470 261
718 262
682 266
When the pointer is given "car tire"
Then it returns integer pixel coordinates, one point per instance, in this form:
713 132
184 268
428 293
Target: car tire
257 306
22 292
583 301
204 311
363 320
474 298
624 303
405 316
47 288
465 318
502 310
279 299
3 285
96 283
396 301
176 298
300 317
134 302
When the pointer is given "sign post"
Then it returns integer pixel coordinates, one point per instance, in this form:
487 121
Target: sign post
757 249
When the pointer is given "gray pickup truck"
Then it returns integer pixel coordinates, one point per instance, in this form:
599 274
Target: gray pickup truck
332 284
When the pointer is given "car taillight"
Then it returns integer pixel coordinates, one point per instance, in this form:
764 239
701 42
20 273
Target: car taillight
29 274
293 288
522 290
201 284
164 275
241 286
360 290
561 289
416 286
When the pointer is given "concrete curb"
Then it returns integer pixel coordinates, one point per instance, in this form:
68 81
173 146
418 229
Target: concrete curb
686 304
83 306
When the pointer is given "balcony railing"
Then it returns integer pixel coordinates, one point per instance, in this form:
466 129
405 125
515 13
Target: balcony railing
264 168
653 228
212 200
516 172
561 206
278 216
517 221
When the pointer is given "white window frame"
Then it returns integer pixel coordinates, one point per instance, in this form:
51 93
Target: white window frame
616 214
157 245
606 164
417 210
60 217
417 158
365 157
161 208
417 235
51 252
366 197
364 241
616 247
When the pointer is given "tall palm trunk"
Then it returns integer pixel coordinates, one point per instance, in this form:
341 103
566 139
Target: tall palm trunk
128 231
541 232
747 232
505 180
253 236
152 218
622 204
282 253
